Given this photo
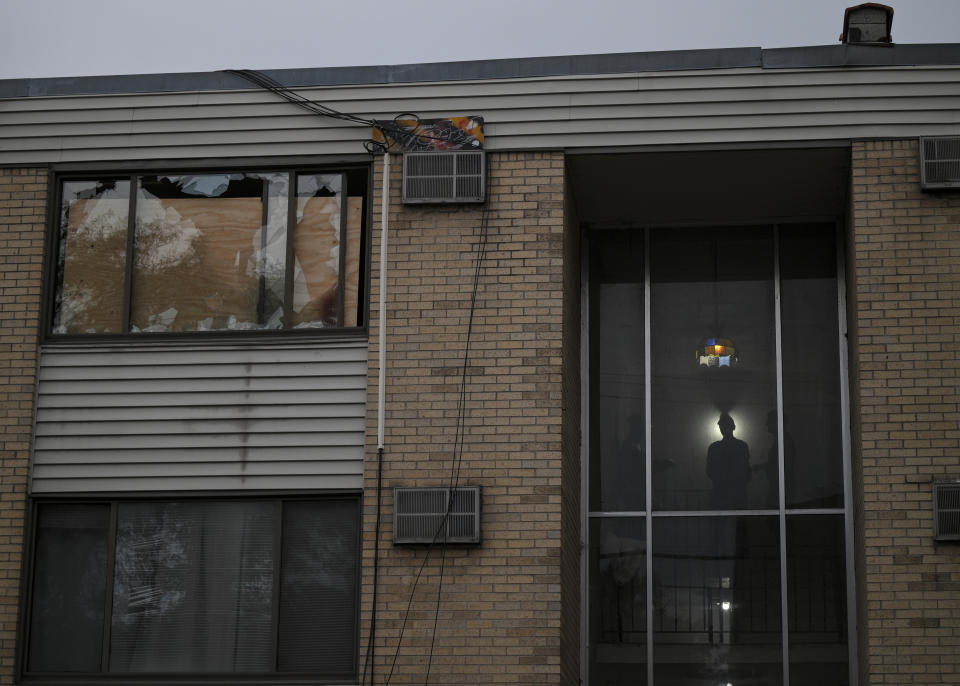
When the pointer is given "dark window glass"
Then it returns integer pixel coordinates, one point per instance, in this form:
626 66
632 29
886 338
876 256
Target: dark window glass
716 600
617 464
813 443
318 589
710 404
618 609
69 588
817 611
195 589
92 250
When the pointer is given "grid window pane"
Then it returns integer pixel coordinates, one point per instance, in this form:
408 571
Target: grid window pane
193 587
318 588
210 252
317 238
618 609
813 445
716 600
710 401
817 613
617 462
93 253
69 588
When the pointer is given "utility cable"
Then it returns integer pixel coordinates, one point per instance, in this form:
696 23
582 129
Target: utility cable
460 435
456 462
391 129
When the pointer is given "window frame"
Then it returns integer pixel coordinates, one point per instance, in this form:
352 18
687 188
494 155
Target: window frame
648 514
278 500
351 172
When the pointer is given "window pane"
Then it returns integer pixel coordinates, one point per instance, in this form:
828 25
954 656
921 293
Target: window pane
352 308
316 251
93 253
816 579
813 447
193 587
69 588
617 440
714 368
717 600
210 252
618 607
318 589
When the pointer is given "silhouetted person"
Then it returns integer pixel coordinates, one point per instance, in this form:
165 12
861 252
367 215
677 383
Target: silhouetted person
728 466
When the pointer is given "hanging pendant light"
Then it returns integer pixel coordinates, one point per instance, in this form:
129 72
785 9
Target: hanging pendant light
717 352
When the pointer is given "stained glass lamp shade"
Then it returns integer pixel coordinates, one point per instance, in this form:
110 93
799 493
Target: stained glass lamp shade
717 352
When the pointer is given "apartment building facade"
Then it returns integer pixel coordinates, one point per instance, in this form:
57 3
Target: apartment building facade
696 347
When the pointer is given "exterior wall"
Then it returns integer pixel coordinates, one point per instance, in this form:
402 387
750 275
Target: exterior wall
499 620
906 302
23 194
633 107
205 416
571 529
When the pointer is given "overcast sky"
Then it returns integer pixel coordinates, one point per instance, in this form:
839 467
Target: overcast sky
40 38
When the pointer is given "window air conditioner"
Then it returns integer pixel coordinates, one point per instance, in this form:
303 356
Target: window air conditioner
444 177
946 511
940 163
419 515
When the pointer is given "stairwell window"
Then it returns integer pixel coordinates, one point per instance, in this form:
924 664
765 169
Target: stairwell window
207 252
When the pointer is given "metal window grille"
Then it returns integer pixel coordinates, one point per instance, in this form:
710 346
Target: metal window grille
940 162
419 515
444 177
946 511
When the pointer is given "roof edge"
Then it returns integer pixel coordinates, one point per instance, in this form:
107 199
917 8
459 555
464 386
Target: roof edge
526 67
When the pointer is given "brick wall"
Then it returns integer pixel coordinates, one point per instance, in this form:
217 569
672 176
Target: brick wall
499 618
23 195
905 361
570 476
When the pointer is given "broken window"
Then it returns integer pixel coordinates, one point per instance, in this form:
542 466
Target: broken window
210 252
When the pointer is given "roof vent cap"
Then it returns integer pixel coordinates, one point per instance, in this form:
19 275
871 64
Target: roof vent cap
867 24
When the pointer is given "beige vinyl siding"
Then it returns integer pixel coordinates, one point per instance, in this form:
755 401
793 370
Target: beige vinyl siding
657 108
190 417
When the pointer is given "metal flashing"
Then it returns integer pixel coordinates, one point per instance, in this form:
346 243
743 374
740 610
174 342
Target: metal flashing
518 68
511 68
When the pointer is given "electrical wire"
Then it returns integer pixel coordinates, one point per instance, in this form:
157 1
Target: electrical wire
371 636
398 130
391 129
456 462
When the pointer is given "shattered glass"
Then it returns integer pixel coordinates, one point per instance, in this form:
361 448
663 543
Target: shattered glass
93 252
316 250
210 251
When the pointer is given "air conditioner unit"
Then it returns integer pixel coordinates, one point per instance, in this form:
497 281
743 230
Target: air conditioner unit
940 162
418 515
444 177
946 510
